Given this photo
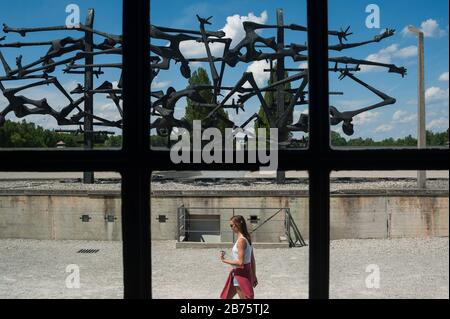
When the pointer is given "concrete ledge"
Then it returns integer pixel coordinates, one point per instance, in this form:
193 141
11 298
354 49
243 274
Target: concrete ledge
228 193
197 245
299 193
60 192
392 192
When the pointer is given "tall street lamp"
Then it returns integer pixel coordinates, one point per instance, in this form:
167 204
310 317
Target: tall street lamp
421 128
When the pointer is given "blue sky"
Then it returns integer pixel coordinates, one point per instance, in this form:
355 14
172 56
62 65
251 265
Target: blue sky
399 119
391 121
29 13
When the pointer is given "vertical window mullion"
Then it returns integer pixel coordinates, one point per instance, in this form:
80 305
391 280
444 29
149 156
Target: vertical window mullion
319 144
319 233
136 173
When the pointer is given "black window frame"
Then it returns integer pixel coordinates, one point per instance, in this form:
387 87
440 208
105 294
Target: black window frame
135 161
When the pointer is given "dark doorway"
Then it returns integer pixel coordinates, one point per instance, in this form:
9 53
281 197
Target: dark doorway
204 228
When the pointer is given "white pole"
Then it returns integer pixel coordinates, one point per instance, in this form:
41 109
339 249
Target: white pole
421 125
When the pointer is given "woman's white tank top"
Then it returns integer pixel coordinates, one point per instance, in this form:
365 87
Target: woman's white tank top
248 252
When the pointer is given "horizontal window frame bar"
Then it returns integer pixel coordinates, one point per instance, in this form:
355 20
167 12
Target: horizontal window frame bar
287 160
307 152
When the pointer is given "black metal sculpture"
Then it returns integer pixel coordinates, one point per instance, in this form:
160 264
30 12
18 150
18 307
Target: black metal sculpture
248 50
253 47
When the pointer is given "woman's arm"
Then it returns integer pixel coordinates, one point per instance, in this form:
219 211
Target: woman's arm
255 280
253 264
241 245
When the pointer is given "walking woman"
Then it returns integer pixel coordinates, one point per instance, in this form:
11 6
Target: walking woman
242 278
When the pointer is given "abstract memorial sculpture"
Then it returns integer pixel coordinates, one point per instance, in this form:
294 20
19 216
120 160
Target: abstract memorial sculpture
253 47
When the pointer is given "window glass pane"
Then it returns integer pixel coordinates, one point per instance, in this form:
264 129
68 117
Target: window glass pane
392 67
60 238
389 237
219 85
60 78
191 214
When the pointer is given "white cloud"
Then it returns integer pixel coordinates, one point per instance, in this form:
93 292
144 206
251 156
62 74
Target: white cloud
435 94
403 117
386 56
109 115
298 113
366 118
234 97
156 85
441 123
384 128
194 49
303 65
257 68
233 29
107 106
406 52
351 104
115 85
406 32
430 29
399 115
444 77
70 85
261 77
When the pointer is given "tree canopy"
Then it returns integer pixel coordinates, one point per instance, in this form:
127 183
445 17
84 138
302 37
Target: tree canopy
23 134
270 99
196 112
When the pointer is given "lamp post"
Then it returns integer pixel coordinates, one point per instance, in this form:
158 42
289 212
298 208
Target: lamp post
421 128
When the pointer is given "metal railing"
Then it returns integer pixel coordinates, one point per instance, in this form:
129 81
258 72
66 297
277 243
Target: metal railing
289 231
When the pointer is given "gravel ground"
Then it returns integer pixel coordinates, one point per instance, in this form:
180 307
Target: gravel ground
37 269
337 185
43 185
409 268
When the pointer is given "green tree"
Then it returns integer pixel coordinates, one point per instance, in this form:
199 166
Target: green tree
195 112
17 139
114 141
158 141
433 140
337 139
437 139
23 134
270 97
408 141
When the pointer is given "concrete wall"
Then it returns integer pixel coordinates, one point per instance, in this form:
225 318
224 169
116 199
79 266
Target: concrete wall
270 232
57 216
389 216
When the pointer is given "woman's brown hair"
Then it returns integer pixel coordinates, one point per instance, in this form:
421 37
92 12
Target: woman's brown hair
241 225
